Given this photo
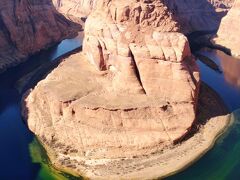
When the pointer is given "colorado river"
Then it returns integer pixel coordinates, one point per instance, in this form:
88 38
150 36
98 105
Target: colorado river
223 161
23 158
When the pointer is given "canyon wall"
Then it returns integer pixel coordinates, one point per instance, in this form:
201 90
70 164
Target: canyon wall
227 35
29 26
131 92
200 15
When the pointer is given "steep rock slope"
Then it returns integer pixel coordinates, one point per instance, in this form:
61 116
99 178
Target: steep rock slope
228 33
132 92
28 26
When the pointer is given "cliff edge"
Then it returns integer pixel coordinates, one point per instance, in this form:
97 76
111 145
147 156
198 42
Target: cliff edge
29 26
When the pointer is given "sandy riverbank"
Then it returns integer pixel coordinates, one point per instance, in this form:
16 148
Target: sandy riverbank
212 122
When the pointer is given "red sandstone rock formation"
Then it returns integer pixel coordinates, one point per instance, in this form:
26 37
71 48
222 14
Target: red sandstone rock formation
227 35
134 93
28 26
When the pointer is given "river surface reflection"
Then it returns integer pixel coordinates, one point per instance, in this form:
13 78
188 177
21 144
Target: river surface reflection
226 84
223 161
231 68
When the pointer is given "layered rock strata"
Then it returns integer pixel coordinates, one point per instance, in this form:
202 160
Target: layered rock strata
227 35
67 125
133 91
28 26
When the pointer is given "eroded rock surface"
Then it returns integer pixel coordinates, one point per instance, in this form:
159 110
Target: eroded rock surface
228 33
133 90
28 26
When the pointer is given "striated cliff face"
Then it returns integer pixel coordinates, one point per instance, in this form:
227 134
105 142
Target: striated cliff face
29 26
227 35
133 91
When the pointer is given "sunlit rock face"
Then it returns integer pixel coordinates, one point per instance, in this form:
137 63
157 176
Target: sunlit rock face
132 91
228 33
28 26
145 40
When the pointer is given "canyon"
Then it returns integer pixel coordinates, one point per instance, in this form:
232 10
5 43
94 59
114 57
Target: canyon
131 104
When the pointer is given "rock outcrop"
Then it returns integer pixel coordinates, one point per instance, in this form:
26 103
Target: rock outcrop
29 26
227 35
132 92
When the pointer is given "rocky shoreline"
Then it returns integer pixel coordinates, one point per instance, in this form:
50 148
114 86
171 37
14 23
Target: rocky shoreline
212 122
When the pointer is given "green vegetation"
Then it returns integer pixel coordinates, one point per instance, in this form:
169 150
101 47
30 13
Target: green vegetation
46 172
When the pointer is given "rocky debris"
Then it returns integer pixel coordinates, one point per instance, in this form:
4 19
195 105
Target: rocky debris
227 35
29 26
133 91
